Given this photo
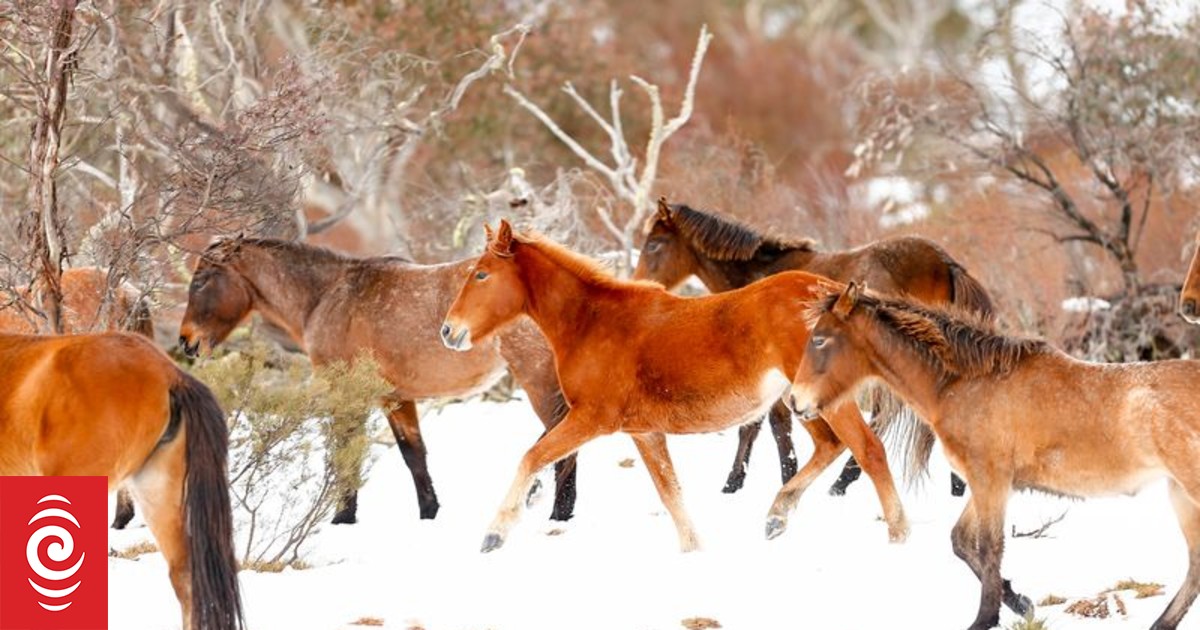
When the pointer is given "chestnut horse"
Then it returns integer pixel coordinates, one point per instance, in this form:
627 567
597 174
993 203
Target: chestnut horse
115 405
1189 296
726 255
84 290
1014 414
634 358
334 307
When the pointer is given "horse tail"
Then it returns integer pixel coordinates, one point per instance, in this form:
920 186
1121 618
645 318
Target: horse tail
900 428
208 517
967 293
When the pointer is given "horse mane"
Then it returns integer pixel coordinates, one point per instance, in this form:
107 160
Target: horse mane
954 343
588 269
724 239
223 249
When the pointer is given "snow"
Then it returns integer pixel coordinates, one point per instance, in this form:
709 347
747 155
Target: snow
617 565
1085 305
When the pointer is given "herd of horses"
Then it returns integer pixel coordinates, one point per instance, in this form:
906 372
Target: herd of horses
787 330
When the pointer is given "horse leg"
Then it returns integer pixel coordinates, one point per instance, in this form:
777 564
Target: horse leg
826 448
781 429
159 489
747 433
402 417
850 473
964 538
125 509
653 449
1189 520
574 431
848 424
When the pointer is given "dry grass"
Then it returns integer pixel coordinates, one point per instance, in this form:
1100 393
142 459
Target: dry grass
626 463
1143 589
1096 608
1120 604
1052 600
133 551
1029 624
273 566
373 622
700 623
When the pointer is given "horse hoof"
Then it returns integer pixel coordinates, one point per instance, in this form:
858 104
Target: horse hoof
491 542
775 527
121 520
1019 604
428 512
734 483
345 517
837 490
898 535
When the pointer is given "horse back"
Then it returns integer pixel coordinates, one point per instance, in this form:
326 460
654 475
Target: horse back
81 404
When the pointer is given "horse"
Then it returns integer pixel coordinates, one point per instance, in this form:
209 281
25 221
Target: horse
83 292
143 423
681 242
1013 414
334 307
635 358
1189 295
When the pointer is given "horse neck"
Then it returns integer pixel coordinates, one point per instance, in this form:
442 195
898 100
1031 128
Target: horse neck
725 275
904 372
558 300
287 287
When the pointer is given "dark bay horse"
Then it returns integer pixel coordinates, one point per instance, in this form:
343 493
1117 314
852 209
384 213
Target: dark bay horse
333 307
726 255
1189 297
1014 414
115 405
634 358
84 290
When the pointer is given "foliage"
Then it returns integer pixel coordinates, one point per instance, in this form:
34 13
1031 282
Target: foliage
298 442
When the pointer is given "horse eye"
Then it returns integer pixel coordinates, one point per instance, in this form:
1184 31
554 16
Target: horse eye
819 342
481 275
653 246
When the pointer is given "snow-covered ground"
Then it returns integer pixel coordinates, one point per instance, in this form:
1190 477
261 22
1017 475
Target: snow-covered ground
616 566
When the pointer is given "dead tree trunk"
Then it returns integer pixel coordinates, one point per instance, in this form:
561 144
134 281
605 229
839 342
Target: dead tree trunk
44 226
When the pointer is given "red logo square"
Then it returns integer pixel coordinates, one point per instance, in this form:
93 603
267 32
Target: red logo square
53 553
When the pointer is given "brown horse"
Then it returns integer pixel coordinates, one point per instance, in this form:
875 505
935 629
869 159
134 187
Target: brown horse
334 307
1014 414
143 422
84 290
633 358
1189 297
725 255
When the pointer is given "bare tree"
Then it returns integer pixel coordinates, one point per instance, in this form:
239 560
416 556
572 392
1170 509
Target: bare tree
630 185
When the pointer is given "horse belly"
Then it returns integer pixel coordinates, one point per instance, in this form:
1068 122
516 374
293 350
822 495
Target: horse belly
450 374
724 409
1061 471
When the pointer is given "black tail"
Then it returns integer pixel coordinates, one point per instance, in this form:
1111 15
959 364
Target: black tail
216 602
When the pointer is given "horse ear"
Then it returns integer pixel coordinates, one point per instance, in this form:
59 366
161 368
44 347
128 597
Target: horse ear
504 238
664 211
846 301
487 229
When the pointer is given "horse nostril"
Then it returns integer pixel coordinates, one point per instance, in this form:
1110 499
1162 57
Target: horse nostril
1189 307
445 331
183 342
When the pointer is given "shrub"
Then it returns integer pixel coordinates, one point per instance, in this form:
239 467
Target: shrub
298 441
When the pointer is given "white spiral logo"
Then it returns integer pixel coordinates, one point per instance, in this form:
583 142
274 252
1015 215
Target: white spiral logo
59 551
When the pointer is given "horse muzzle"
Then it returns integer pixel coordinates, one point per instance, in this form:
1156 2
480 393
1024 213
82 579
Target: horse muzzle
190 350
801 404
1189 311
456 338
